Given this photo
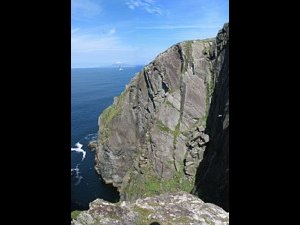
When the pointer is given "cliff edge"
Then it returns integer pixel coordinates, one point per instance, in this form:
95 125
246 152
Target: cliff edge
157 132
212 178
176 208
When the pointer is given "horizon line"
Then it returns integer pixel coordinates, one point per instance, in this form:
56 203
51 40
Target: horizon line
95 67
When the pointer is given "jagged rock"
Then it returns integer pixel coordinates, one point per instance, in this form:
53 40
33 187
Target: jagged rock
204 137
92 145
177 208
189 163
212 181
158 114
200 128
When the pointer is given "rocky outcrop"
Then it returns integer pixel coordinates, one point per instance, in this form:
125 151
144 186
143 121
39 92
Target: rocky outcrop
212 179
177 208
154 136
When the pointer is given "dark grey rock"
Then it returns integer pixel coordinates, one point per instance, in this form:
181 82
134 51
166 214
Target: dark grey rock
212 179
92 145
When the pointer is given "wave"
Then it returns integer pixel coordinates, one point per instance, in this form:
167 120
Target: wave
91 137
78 181
78 177
76 169
79 149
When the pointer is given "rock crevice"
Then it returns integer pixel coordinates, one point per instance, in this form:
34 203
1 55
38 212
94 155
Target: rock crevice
155 135
212 178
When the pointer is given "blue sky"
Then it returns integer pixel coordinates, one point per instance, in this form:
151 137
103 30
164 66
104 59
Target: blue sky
106 32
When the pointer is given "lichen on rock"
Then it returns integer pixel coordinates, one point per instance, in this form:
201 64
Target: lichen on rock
174 208
162 103
153 138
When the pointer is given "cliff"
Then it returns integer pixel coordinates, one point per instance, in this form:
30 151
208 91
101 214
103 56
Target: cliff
177 208
154 136
212 179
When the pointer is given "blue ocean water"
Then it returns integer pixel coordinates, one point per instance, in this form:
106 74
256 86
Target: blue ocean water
92 90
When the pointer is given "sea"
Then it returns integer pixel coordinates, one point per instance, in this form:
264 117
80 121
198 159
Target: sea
92 91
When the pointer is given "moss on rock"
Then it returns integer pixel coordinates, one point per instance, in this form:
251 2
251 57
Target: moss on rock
74 214
110 113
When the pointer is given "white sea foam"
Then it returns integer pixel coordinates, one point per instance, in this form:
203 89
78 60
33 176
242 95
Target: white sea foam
76 170
78 181
79 149
78 177
91 137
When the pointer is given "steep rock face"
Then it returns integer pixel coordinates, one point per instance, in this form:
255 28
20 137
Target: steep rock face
177 208
212 179
153 137
145 136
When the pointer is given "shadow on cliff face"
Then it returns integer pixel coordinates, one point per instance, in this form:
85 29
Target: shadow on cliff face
212 177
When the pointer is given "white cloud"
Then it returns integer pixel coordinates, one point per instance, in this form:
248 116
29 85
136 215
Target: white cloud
91 43
87 41
171 27
149 5
94 49
90 49
85 9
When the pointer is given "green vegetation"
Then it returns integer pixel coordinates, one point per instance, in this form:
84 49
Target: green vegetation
145 220
163 127
202 121
188 50
183 219
208 220
187 47
210 85
74 214
177 183
166 129
144 213
149 184
110 113
146 69
207 47
176 133
169 103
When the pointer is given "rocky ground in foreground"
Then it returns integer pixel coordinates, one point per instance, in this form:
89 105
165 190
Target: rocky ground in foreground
168 132
177 208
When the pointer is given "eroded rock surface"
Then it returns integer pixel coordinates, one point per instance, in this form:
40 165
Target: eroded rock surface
154 136
177 208
212 179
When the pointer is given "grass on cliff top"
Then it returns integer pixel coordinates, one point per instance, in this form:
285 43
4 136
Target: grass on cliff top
74 214
143 215
149 185
145 218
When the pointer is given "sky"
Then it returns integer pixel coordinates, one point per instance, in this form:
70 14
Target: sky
134 32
